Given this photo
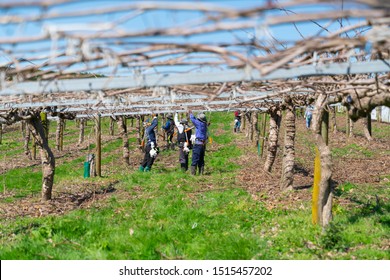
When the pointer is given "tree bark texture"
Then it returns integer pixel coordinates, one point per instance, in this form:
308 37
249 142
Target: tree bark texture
262 133
379 114
249 127
23 128
27 141
47 157
289 150
81 131
59 134
98 134
255 128
324 214
367 127
140 130
111 126
334 123
122 128
274 127
351 125
361 102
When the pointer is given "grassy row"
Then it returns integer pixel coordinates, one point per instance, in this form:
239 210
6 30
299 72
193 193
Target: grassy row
167 214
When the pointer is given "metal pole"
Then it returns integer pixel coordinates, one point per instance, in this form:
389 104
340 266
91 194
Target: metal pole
98 145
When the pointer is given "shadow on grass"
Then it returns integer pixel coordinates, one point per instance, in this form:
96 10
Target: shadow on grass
370 208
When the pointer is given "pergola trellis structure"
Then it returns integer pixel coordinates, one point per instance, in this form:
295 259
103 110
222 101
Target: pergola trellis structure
115 59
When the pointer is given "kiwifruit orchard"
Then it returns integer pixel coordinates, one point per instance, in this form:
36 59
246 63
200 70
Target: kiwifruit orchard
235 210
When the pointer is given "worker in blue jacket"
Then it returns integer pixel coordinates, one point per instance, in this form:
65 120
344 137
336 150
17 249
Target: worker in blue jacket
199 147
151 149
169 129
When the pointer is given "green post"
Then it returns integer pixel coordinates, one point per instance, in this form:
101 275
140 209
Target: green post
86 169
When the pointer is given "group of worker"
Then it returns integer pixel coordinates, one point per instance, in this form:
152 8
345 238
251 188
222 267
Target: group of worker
186 141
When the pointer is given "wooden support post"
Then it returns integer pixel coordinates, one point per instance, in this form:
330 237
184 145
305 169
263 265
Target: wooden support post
347 126
379 114
325 127
163 133
334 123
122 129
351 124
45 124
243 121
81 132
98 132
23 128
58 133
26 133
34 150
262 139
139 129
255 129
63 124
111 126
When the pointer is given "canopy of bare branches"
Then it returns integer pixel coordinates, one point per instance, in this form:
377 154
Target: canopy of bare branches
84 57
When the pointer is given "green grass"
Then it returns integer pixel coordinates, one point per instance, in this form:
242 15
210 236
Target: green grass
352 150
167 214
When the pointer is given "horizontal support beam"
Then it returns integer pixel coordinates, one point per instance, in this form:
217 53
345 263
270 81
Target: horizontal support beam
134 101
157 80
130 113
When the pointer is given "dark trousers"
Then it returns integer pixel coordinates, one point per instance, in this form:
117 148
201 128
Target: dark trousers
183 157
198 153
170 144
148 160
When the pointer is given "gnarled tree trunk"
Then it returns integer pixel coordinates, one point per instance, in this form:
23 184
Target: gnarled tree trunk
59 134
47 157
122 127
289 150
367 127
324 206
255 128
140 136
334 123
112 126
248 127
81 131
26 134
274 126
351 125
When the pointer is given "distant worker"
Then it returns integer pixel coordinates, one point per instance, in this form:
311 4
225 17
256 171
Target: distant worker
237 121
309 115
169 129
184 133
198 151
151 149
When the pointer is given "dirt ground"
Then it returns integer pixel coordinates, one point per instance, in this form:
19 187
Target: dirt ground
354 168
